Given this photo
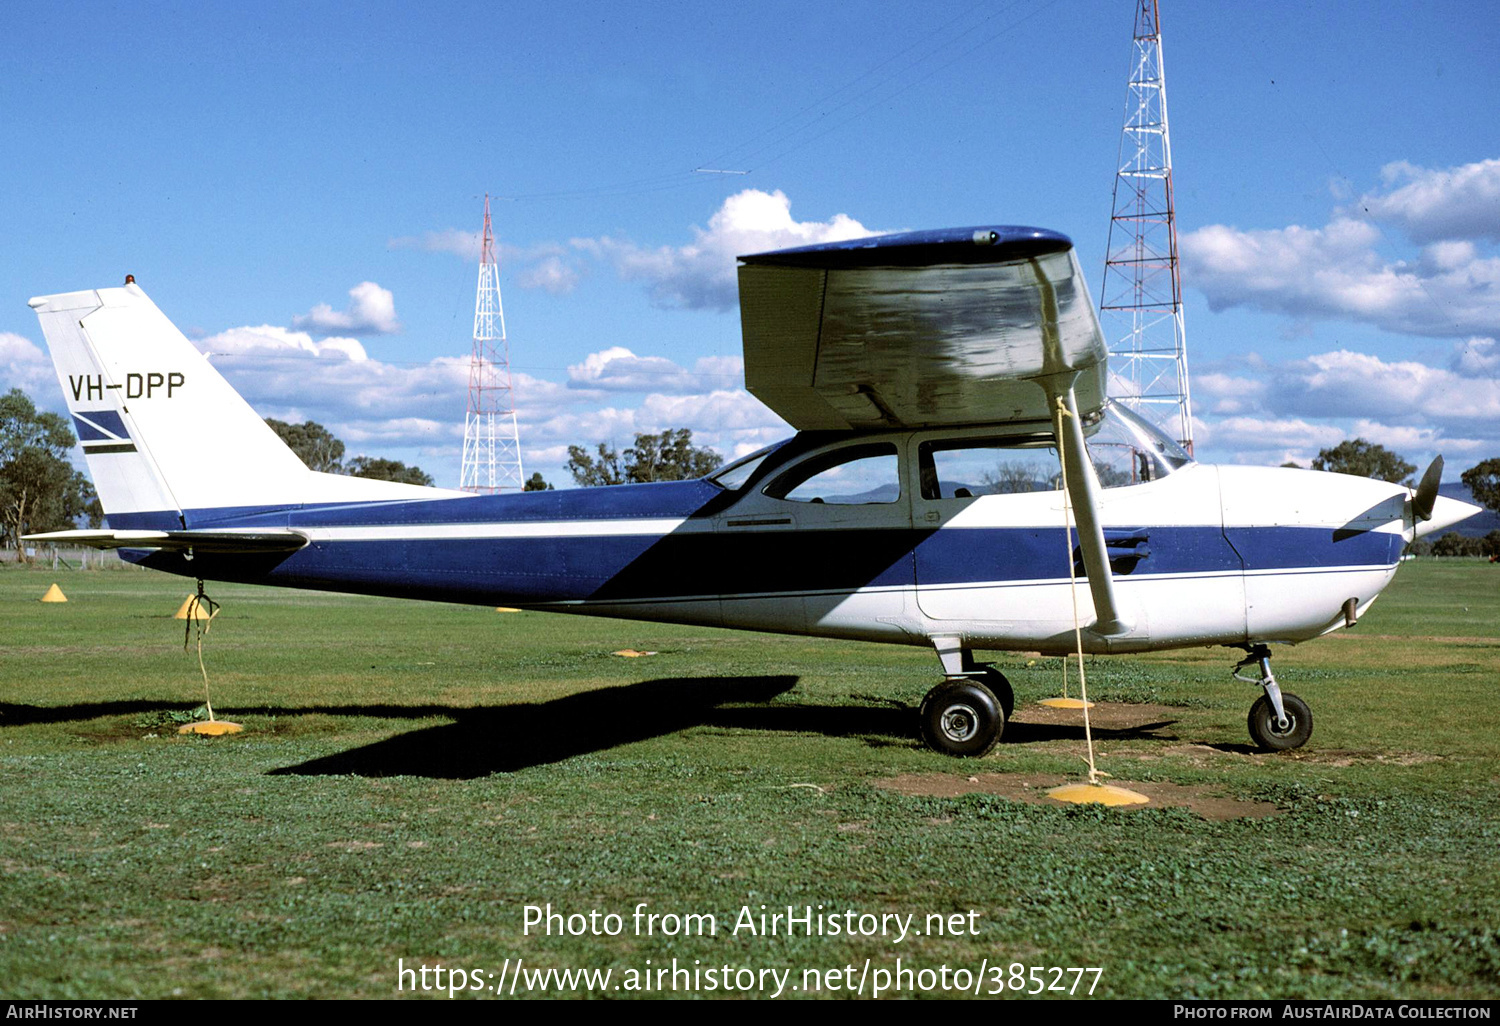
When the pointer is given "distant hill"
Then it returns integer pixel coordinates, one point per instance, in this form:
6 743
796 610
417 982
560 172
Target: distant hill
1480 524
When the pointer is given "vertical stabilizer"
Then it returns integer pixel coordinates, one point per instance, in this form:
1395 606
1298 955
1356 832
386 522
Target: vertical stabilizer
167 439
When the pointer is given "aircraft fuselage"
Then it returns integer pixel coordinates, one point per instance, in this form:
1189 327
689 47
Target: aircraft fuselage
1207 555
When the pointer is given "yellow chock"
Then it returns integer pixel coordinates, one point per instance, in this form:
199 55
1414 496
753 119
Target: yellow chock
213 728
506 609
191 609
1097 794
631 653
54 594
1066 703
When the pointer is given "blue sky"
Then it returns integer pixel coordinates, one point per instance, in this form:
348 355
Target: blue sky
1337 171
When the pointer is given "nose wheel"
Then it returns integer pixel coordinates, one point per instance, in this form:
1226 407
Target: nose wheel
1267 731
1279 721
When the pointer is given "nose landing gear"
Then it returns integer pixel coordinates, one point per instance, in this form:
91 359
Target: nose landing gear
1279 721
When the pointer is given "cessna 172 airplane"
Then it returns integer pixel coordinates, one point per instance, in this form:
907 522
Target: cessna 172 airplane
945 387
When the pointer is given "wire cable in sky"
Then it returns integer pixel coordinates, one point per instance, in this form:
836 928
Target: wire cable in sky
905 88
728 155
942 39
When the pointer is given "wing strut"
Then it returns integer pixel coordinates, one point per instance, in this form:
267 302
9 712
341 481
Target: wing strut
1058 380
1083 487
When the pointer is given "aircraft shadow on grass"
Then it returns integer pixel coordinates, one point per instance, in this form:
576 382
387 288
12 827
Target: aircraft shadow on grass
505 738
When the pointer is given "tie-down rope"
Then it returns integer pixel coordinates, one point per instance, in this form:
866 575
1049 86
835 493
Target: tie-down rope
200 601
1083 687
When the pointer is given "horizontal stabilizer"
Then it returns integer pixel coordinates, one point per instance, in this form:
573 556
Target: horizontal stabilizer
932 328
218 542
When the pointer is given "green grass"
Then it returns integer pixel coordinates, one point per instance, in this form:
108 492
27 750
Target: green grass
412 775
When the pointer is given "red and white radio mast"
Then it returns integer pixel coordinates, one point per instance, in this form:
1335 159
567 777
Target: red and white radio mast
492 446
1140 302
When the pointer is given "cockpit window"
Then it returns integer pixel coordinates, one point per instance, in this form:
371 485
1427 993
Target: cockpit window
734 476
1124 449
852 476
970 467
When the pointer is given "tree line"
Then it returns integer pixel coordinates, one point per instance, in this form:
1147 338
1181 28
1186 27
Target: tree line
668 456
317 447
39 489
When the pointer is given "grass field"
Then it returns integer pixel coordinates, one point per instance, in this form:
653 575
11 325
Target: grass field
412 775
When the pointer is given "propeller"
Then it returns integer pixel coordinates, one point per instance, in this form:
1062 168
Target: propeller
1427 490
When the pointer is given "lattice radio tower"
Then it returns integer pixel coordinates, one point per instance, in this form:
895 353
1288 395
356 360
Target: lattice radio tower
1140 302
492 446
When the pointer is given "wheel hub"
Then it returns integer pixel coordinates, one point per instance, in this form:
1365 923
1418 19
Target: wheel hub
960 722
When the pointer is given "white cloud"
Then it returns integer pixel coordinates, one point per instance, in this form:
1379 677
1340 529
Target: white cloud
23 365
276 368
1421 440
585 427
1268 413
1439 203
551 274
268 339
372 311
405 431
17 349
449 240
617 369
1449 287
1264 440
716 412
544 266
1225 394
1346 384
1275 432
1476 357
1335 271
416 411
701 274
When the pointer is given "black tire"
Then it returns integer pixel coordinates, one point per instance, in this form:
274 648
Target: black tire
996 682
1263 729
962 718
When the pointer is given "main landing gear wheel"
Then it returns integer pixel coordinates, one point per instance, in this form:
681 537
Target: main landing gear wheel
962 717
1265 731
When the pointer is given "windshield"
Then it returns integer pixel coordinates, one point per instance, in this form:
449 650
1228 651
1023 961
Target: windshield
734 476
1126 449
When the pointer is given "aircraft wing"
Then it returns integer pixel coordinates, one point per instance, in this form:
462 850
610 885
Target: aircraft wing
259 540
931 328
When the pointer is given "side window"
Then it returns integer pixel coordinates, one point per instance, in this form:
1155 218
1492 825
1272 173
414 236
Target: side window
986 466
849 477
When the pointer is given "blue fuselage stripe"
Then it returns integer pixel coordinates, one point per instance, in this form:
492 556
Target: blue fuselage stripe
706 563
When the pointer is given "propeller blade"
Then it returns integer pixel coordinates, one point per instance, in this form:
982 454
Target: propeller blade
1427 490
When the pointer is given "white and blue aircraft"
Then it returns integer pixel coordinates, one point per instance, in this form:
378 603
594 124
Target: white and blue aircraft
945 386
